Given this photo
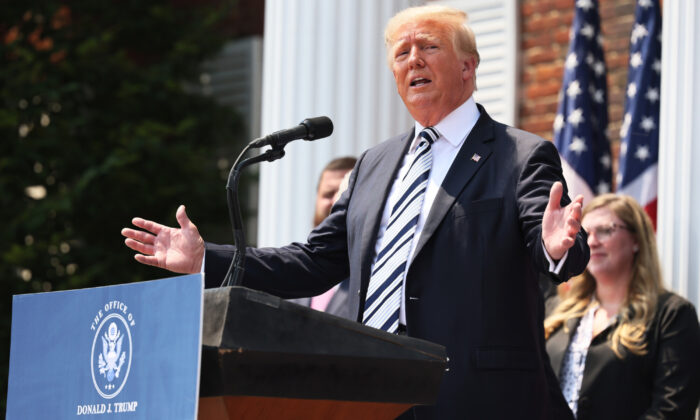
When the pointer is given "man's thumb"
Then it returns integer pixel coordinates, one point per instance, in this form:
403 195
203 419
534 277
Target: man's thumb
555 195
182 218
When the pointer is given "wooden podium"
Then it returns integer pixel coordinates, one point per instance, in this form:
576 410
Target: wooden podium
266 358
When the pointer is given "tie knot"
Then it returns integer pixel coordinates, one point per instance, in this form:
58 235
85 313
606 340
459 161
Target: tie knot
430 134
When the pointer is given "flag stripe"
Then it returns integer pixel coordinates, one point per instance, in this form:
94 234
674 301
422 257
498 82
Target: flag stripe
643 187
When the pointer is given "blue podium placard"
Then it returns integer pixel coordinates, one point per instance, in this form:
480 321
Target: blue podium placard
127 351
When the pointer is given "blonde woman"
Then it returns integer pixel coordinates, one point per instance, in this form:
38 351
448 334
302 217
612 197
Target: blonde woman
621 345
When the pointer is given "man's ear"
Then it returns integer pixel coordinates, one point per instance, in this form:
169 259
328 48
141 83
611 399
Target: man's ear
468 67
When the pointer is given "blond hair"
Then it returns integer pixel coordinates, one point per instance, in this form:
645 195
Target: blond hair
455 21
645 286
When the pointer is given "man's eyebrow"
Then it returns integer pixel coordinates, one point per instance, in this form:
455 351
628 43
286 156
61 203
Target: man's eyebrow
401 42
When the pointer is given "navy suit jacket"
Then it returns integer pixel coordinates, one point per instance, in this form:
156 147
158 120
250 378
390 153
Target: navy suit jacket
472 285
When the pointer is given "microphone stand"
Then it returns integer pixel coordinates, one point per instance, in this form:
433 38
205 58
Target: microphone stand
236 271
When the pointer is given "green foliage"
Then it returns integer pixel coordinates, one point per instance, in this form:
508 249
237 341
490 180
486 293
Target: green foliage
96 128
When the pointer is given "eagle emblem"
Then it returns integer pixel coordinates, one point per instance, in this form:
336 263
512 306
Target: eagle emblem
112 357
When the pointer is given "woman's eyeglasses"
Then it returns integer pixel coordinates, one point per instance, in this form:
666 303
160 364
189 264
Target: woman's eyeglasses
604 232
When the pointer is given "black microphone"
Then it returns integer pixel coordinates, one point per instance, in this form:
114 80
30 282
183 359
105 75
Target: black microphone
309 129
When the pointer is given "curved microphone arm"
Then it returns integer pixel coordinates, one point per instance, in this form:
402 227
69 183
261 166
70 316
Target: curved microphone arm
236 271
309 129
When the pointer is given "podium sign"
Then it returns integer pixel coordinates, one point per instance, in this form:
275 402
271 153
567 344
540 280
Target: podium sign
126 351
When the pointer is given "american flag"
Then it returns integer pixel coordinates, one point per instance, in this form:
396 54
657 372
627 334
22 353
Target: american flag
582 116
639 144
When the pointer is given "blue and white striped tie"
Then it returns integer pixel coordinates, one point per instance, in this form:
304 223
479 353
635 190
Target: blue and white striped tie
385 284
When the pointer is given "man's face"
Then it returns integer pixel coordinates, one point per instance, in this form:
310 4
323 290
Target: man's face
327 187
431 78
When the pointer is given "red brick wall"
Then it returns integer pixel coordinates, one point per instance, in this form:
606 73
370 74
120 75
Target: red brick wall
545 41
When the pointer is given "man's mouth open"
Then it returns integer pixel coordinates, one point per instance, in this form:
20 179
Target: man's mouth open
420 81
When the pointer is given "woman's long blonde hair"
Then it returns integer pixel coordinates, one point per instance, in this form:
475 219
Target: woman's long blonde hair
638 309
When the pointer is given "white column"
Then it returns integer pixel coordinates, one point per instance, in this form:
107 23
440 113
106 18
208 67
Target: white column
322 57
496 26
679 149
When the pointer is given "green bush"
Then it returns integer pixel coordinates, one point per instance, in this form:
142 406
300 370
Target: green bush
96 128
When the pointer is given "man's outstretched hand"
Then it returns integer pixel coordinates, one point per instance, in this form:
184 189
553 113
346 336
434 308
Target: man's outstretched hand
180 250
560 224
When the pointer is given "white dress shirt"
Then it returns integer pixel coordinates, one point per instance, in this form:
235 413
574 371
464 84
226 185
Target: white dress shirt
453 131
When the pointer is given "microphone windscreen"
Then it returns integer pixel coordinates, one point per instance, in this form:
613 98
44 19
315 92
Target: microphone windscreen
318 127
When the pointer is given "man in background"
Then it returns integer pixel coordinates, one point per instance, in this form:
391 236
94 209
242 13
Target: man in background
328 184
335 300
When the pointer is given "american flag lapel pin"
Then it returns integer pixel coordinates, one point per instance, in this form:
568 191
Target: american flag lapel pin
476 157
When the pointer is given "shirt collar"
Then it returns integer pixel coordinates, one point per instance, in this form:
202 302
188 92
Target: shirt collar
455 126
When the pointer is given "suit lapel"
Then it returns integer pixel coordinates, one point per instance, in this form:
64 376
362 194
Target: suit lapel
379 186
473 155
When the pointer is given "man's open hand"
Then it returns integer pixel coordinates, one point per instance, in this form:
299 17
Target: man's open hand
560 224
180 250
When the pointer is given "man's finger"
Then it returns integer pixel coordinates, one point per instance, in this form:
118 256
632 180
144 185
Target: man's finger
573 226
148 225
567 243
576 211
139 246
139 235
555 195
148 260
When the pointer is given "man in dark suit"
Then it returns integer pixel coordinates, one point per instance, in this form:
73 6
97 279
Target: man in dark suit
494 213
